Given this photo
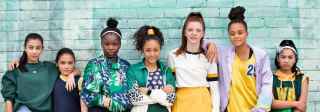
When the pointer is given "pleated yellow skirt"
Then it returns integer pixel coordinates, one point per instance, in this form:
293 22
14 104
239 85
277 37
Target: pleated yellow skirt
192 99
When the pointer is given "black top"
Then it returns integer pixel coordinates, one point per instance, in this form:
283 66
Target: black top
64 101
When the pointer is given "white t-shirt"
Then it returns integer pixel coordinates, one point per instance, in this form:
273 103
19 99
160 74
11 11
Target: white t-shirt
191 70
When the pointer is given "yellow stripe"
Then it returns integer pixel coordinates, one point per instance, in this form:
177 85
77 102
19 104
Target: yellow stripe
173 69
212 75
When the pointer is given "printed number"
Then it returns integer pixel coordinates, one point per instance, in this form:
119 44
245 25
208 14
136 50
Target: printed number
250 70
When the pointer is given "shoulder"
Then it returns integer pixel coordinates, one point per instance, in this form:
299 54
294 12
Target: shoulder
11 73
173 51
95 61
49 64
124 62
259 51
135 66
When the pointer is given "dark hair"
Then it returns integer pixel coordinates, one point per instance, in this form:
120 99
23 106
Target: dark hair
146 33
65 51
289 43
236 15
24 58
111 26
193 16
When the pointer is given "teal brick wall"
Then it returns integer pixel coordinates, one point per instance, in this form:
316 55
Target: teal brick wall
77 24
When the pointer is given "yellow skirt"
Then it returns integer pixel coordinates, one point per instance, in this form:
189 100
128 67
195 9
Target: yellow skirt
192 99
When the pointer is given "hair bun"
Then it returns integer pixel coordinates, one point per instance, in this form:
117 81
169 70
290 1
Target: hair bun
112 23
237 13
287 43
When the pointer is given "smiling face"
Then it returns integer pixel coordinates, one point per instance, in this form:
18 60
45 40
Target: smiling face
66 64
238 34
194 32
286 59
33 50
151 51
111 44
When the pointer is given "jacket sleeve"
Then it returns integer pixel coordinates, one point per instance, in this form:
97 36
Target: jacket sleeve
91 86
171 81
9 86
265 96
136 97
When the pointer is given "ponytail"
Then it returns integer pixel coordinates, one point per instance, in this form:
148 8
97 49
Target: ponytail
23 62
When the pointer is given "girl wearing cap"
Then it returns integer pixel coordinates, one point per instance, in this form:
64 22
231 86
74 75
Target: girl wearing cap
104 81
290 85
151 81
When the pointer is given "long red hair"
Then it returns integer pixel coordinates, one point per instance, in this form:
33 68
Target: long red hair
193 16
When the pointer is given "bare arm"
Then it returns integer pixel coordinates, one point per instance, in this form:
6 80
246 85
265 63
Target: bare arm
8 106
277 104
83 106
304 95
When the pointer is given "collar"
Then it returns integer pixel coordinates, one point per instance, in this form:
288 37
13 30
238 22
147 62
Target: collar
141 64
63 77
111 64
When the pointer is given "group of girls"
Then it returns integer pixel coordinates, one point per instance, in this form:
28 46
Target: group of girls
199 76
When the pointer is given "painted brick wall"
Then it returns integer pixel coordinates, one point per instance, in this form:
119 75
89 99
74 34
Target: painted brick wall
77 24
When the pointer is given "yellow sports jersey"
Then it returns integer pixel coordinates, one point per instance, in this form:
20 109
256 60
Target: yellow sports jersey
242 93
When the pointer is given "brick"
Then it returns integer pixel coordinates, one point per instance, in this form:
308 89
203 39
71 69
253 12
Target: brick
167 23
313 84
303 4
76 4
2 5
311 107
33 25
83 24
172 33
215 33
34 15
259 32
13 46
163 3
77 14
136 23
106 4
284 32
292 3
9 26
10 5
216 22
127 45
265 12
207 12
309 53
134 4
309 64
313 76
260 3
35 5
105 13
176 12
191 3
9 15
309 13
150 13
255 22
129 54
220 3
313 96
128 33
